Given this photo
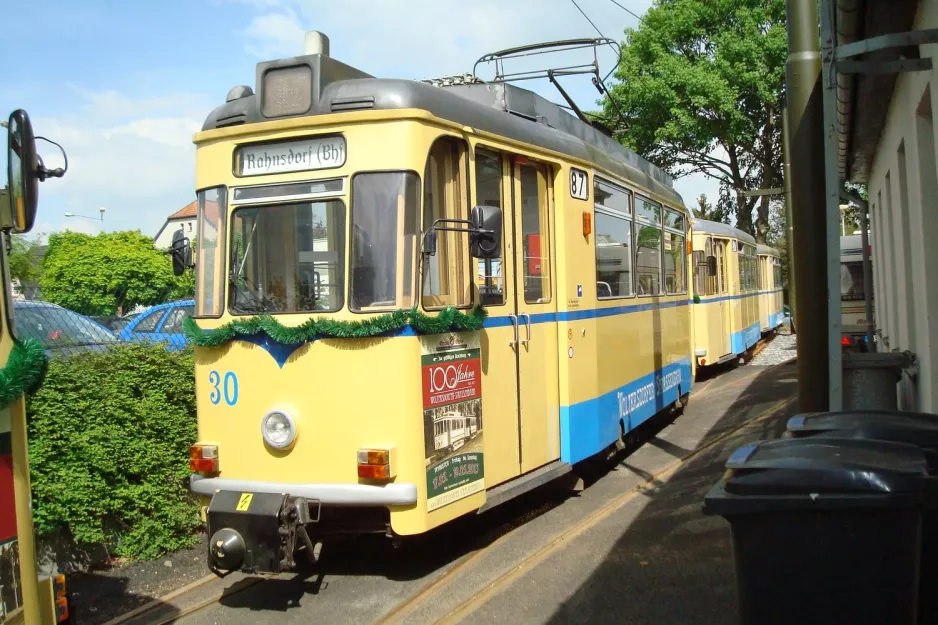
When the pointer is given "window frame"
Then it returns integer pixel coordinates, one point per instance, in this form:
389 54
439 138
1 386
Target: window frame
221 292
342 199
465 150
615 213
642 220
542 171
683 255
418 247
504 160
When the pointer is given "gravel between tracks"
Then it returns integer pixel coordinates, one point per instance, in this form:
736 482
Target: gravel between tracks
778 350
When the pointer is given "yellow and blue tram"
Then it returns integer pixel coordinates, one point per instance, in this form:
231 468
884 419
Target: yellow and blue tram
769 277
380 262
726 292
25 595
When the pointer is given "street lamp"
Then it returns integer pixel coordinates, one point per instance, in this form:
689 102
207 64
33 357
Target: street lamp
87 217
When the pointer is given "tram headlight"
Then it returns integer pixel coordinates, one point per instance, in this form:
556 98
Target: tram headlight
278 429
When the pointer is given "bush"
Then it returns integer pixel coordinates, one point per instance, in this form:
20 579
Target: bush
109 436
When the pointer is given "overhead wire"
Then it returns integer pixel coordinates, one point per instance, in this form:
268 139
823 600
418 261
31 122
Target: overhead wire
601 83
627 10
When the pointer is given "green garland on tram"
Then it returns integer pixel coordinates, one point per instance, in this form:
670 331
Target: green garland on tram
448 320
24 371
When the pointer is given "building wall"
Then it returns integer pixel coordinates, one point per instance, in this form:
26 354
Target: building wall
165 238
903 194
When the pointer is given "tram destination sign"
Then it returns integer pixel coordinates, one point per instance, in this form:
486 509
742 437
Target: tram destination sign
290 156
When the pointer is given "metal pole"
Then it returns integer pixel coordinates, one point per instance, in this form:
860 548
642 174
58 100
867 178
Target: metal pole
809 225
832 186
789 231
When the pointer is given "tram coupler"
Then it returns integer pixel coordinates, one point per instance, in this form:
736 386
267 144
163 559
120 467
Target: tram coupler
256 532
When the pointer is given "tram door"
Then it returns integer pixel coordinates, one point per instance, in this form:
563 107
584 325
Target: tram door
726 308
536 306
521 411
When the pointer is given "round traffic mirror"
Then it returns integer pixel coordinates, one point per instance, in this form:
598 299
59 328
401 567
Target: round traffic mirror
22 171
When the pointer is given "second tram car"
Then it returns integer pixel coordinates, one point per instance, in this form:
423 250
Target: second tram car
376 254
726 292
769 277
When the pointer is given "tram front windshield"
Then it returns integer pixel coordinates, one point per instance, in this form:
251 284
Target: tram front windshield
287 258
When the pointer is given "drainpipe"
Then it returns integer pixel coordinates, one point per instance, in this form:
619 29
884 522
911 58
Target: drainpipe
808 202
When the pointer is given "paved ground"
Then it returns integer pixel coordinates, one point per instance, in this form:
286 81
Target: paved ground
633 547
780 349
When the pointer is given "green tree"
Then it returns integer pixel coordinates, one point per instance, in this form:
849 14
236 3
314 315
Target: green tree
109 273
706 210
700 86
25 259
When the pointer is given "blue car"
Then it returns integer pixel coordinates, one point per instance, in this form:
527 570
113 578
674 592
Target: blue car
61 331
160 323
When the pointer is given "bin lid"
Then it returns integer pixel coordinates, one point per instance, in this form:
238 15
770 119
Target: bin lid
917 428
819 472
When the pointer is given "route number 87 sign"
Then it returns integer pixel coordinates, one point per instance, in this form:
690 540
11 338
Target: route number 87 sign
579 184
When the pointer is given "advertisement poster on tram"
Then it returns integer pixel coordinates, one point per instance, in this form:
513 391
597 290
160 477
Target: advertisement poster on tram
452 418
11 595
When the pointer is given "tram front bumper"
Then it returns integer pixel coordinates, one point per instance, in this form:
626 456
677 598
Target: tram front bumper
256 527
396 494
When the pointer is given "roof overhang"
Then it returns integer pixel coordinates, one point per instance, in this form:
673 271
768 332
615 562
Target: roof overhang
863 98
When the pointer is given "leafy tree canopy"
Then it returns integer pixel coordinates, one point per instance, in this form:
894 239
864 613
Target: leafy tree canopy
706 210
109 273
25 259
700 89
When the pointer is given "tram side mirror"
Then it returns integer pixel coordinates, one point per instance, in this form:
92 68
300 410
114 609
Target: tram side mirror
485 235
711 265
181 252
19 207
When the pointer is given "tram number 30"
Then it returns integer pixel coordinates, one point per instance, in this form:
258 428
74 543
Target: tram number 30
223 387
579 184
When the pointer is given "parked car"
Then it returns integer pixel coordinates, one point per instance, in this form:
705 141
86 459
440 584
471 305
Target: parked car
116 323
160 323
60 330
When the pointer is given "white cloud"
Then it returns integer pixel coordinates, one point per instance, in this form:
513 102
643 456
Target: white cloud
133 157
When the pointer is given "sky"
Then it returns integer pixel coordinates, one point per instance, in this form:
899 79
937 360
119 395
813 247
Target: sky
123 86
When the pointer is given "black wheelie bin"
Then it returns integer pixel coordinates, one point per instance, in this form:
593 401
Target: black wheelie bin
916 428
824 531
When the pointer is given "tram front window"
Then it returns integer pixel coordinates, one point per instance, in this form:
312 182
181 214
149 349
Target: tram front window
287 258
385 206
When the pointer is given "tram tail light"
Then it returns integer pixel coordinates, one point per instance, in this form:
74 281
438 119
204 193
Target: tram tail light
375 464
203 458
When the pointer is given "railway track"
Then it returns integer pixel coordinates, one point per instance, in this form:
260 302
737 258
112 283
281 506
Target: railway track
488 542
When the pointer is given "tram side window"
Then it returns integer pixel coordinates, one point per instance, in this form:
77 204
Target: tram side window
209 254
648 246
674 253
385 206
711 280
490 278
446 274
613 240
534 229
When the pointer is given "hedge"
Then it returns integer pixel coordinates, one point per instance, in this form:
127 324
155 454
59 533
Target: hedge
109 436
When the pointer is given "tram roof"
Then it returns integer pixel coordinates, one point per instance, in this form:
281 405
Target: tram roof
765 250
499 108
715 227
